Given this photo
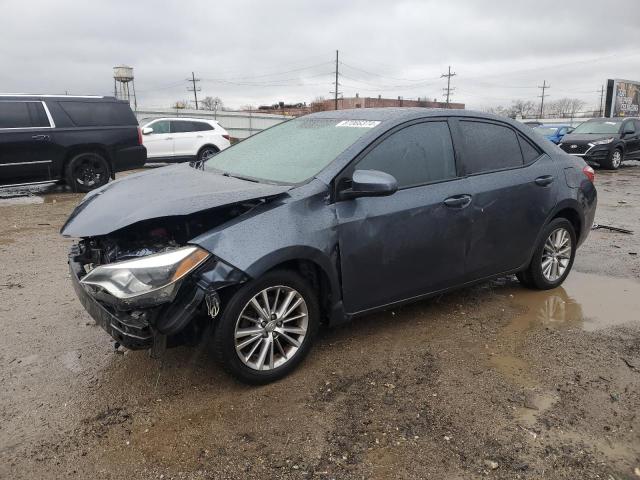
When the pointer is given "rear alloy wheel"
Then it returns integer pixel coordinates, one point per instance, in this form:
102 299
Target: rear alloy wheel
553 258
614 160
206 153
87 171
267 327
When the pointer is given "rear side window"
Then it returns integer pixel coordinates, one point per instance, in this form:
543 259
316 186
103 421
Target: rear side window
184 126
529 152
488 146
415 155
37 115
99 114
14 115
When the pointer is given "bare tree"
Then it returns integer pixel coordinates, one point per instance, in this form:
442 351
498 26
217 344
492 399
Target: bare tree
565 107
522 108
211 103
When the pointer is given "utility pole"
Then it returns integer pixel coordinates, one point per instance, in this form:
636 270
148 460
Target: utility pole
601 99
543 87
195 89
448 89
335 92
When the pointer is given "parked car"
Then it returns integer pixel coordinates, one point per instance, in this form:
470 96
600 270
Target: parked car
80 140
554 133
604 142
322 219
183 139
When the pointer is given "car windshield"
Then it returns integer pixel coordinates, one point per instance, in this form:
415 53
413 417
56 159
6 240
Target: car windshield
290 152
547 130
598 126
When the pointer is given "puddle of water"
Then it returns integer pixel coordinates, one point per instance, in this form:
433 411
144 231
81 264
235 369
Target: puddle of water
591 302
586 301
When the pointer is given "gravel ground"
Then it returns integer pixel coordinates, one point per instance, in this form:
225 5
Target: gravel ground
491 381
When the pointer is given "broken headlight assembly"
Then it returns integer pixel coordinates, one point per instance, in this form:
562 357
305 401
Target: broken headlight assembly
145 281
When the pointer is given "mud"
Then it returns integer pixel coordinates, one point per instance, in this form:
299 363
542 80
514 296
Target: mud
491 381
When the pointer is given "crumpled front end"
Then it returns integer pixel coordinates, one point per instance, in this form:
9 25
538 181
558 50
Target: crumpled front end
150 295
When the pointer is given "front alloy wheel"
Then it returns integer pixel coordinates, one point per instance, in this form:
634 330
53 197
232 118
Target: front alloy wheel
271 328
266 327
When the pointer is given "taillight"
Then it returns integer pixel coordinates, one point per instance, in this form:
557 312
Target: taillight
589 173
139 136
226 136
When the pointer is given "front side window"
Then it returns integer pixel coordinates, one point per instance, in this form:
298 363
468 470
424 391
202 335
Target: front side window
415 155
161 126
291 152
14 115
488 146
629 127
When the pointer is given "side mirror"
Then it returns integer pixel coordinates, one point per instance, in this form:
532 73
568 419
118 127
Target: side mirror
569 130
370 183
629 129
147 130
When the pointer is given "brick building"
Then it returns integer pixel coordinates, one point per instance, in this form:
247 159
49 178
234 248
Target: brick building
378 102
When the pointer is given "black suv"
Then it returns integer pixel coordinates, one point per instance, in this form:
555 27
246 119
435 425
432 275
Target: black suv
80 140
605 142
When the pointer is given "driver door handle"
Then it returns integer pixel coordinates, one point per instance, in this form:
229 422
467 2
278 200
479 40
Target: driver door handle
544 180
458 201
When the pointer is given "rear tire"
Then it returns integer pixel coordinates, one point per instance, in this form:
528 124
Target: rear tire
260 348
553 257
207 152
87 171
614 160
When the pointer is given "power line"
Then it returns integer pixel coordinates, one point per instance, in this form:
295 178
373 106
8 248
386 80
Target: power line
448 89
194 89
543 87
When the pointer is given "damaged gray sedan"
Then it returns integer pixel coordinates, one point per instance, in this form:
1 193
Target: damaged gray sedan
321 219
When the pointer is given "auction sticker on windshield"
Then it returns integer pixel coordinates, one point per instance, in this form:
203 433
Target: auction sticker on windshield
358 123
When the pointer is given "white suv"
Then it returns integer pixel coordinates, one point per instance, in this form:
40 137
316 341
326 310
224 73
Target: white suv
182 139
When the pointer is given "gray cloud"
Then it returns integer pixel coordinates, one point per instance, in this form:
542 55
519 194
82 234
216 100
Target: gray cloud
253 52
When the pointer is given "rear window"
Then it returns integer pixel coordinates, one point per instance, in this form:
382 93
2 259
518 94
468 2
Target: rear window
99 114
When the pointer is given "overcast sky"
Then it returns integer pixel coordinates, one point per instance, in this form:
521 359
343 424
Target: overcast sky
257 52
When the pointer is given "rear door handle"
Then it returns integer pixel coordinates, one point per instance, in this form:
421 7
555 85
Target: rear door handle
41 137
458 201
544 180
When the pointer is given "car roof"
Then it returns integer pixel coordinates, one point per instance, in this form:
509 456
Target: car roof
36 97
555 125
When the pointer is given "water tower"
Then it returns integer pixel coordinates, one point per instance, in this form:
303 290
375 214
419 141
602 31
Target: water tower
122 76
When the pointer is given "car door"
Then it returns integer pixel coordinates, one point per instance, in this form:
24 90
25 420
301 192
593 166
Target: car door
412 242
27 148
159 143
186 138
514 188
631 138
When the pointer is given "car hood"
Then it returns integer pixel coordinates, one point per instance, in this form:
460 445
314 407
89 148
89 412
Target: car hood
586 137
162 192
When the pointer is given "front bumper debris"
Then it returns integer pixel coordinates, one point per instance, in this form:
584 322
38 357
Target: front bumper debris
149 328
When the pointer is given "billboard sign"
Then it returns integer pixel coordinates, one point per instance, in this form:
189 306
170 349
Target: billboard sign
623 98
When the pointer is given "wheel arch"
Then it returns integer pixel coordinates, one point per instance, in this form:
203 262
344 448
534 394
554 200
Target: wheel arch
316 267
202 147
88 148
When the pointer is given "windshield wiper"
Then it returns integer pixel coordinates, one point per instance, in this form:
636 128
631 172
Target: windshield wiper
227 174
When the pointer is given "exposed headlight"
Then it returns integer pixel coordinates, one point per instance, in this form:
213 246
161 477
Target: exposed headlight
604 141
153 279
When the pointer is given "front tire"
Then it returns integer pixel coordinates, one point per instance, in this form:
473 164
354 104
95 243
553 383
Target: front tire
614 160
553 257
87 171
267 327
